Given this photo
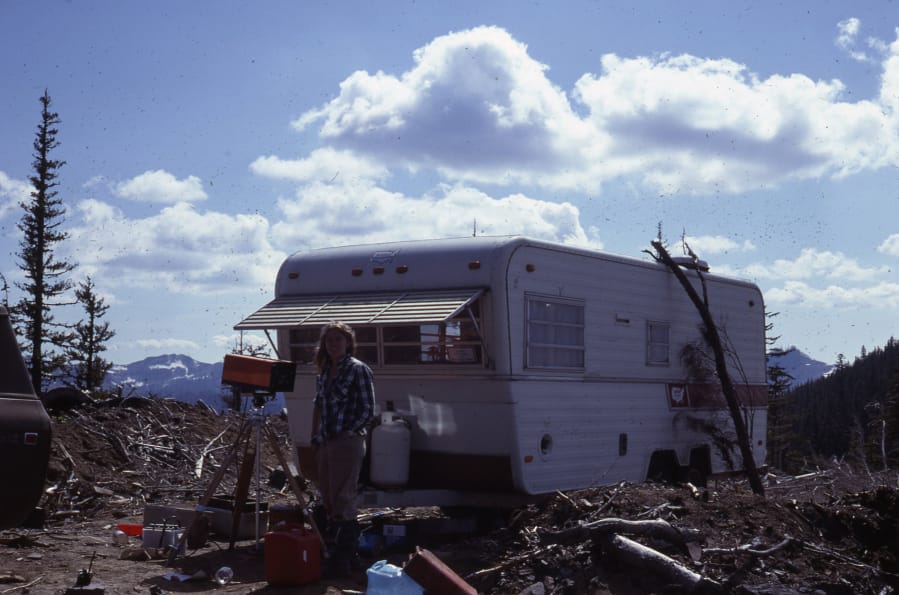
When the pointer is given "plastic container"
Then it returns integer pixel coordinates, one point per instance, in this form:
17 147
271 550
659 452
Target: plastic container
387 579
130 529
292 556
391 444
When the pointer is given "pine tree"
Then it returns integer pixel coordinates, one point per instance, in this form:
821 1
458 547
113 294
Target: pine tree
780 427
88 369
46 276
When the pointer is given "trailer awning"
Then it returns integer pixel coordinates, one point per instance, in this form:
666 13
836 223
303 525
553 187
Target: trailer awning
370 308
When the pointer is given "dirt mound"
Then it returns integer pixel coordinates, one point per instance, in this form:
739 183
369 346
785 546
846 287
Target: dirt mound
831 531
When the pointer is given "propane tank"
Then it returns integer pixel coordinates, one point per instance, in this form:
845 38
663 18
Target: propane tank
391 443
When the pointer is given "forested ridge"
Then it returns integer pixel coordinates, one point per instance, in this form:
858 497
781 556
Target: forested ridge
851 415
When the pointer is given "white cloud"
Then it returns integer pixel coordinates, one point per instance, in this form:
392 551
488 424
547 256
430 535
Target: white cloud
167 345
476 107
322 165
247 340
890 245
12 192
332 214
847 36
702 245
815 264
162 187
179 249
880 296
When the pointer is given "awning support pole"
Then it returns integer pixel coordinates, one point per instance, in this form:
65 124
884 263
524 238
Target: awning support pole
272 343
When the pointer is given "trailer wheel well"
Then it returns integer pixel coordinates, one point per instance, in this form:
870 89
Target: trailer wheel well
700 465
663 466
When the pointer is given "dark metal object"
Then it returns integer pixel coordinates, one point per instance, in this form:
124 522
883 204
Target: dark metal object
24 433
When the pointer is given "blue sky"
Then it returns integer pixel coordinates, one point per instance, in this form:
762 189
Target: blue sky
204 142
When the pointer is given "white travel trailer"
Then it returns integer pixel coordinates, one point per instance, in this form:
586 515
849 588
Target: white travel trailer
515 367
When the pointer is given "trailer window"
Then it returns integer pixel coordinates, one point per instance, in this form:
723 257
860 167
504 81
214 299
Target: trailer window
304 342
657 342
555 334
455 341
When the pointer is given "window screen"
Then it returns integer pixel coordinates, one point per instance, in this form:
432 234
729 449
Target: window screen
555 333
657 343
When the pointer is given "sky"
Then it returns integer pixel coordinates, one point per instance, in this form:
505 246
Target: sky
206 141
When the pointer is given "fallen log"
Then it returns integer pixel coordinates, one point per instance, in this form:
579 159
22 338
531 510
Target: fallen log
655 529
629 552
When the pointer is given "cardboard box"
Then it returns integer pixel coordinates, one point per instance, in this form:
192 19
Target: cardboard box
258 373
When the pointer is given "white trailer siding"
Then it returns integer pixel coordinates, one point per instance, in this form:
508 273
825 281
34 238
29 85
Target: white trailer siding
586 414
505 425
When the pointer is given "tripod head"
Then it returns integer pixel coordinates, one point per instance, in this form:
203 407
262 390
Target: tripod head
259 398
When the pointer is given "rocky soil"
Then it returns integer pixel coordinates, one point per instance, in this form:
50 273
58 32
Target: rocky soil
830 531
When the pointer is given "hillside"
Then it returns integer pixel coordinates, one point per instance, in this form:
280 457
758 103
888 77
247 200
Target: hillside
832 530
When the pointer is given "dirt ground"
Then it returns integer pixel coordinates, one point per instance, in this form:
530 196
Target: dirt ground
831 531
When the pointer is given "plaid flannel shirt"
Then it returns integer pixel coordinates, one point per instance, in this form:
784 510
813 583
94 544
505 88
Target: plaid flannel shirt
347 401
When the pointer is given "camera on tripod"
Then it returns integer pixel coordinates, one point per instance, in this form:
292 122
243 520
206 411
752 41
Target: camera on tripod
263 377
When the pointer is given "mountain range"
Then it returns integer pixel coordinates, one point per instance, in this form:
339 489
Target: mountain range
183 378
178 377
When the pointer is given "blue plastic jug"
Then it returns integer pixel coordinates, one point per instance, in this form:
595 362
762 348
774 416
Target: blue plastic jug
387 579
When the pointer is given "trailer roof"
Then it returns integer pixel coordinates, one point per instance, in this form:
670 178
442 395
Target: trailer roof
366 308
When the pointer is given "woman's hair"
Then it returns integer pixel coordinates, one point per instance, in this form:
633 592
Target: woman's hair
321 354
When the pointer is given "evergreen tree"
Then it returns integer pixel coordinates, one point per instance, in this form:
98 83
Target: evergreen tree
88 369
853 411
780 428
45 275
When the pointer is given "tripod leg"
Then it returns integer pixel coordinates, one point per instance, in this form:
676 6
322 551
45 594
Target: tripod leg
244 476
210 490
294 484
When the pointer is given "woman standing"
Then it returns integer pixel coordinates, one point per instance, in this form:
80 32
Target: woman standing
343 408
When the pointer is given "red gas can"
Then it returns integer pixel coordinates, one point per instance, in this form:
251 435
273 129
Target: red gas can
292 556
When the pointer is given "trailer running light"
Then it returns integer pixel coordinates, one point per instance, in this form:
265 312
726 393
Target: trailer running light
378 270
530 268
529 458
474 264
402 269
357 271
293 275
31 438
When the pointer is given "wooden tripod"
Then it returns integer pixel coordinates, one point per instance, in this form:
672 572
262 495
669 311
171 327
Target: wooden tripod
244 442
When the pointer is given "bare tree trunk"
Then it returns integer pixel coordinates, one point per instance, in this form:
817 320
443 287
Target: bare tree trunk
638 556
727 386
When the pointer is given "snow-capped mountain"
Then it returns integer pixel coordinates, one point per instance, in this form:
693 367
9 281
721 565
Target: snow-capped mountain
800 366
176 376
